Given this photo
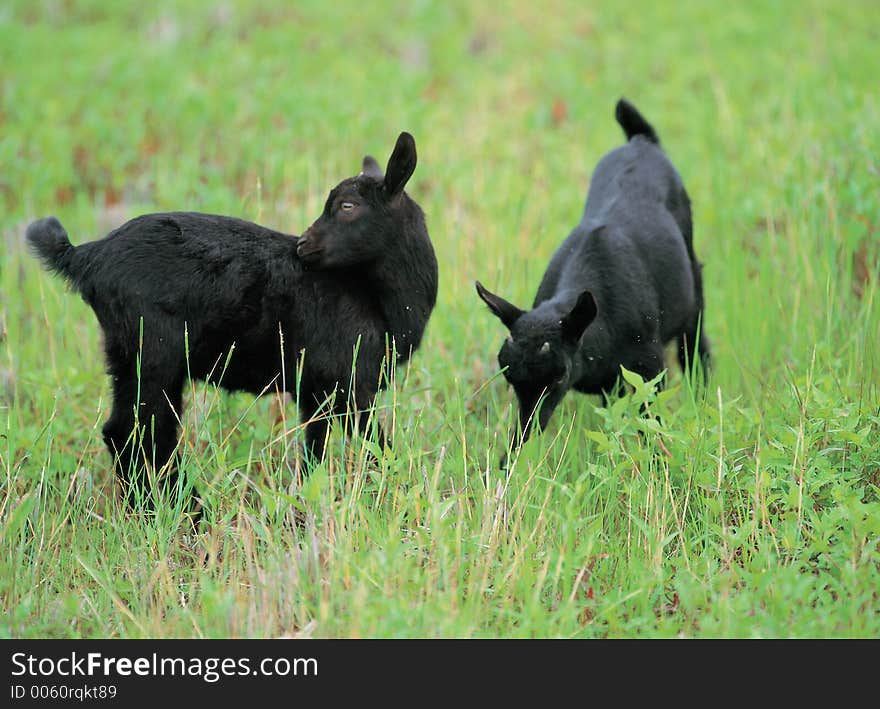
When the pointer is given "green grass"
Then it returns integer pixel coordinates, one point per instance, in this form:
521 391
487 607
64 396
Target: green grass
752 511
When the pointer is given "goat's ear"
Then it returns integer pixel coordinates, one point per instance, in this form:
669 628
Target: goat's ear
401 165
371 168
508 313
581 315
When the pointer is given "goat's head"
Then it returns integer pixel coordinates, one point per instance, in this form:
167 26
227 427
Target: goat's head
362 215
538 356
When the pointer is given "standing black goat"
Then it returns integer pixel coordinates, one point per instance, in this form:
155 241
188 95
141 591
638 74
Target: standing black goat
186 295
623 284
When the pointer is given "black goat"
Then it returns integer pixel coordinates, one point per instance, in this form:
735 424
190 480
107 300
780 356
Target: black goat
185 295
623 284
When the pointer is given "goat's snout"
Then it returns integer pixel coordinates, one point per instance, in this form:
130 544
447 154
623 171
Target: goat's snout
308 246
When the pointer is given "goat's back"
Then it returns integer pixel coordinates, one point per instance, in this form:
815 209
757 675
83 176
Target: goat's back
222 281
636 178
630 247
199 267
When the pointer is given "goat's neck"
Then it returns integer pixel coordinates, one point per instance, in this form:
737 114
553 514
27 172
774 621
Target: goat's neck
595 343
596 356
406 298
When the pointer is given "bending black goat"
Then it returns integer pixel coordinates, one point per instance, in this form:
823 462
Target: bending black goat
623 284
215 298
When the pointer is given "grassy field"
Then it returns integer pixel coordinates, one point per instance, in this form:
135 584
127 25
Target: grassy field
751 510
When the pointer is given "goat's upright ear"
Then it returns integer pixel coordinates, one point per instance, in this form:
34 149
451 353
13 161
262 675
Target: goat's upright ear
371 168
401 165
508 313
581 315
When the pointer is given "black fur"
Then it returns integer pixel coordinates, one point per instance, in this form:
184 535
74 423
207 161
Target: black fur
623 284
252 307
633 123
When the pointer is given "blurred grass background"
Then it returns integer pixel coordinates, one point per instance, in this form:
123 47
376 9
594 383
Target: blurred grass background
752 512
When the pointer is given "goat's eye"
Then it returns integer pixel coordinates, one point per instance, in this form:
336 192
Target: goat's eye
347 206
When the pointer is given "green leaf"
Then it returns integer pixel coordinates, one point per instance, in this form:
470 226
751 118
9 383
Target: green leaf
633 379
16 521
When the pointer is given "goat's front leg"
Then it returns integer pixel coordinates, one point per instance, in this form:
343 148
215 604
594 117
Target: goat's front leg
532 407
366 427
317 425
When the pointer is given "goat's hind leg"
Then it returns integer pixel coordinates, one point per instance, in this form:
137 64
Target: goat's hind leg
160 411
693 344
142 431
120 437
315 417
371 428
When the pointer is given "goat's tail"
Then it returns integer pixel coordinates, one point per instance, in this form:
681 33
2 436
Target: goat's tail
50 243
633 123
